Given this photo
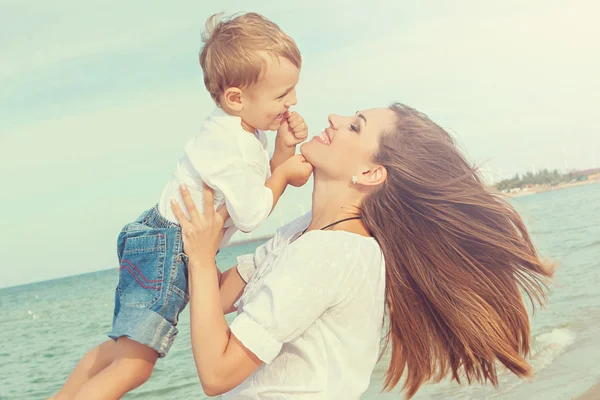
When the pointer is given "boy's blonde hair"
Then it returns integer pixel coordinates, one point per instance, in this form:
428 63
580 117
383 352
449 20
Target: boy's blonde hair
234 49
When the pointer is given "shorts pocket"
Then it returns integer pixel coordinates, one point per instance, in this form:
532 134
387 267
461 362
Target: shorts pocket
178 295
142 267
180 276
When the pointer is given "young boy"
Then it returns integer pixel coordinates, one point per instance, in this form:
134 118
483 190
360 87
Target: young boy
250 69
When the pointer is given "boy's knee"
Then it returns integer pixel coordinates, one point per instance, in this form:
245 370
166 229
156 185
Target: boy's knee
145 371
137 371
141 376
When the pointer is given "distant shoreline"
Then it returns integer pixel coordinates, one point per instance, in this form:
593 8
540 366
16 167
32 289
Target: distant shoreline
547 188
512 193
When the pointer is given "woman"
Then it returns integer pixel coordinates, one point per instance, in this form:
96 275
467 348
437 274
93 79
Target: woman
389 184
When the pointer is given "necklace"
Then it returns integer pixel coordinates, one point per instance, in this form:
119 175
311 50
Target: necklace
332 224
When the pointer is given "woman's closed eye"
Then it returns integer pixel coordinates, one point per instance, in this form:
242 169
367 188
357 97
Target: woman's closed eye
354 127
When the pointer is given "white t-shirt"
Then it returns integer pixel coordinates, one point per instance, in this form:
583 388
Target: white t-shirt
232 161
312 311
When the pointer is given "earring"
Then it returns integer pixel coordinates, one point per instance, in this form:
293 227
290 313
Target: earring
354 179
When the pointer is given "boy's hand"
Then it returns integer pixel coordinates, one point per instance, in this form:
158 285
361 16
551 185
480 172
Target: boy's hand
296 170
293 129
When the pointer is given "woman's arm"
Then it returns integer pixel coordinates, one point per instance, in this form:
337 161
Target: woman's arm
221 360
231 286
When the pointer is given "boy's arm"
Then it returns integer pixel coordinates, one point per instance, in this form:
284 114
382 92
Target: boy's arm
248 198
277 183
242 185
281 154
291 132
294 171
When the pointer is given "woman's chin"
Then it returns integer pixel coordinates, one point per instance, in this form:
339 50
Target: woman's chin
309 151
303 149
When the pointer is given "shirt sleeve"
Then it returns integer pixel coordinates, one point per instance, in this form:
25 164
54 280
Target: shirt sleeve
246 266
248 200
248 263
304 283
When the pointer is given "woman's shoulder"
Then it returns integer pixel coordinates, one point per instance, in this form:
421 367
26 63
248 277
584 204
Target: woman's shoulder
328 244
343 244
335 246
295 226
339 256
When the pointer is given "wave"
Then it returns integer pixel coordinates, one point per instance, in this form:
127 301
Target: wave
586 245
548 346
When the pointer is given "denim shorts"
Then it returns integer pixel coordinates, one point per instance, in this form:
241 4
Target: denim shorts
153 282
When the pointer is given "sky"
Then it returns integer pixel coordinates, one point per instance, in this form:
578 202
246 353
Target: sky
98 98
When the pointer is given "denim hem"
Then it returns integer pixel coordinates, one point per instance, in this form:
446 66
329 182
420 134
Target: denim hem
146 327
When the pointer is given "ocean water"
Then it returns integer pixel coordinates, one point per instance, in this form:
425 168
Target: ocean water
47 326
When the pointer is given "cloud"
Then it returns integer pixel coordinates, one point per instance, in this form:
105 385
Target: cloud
512 85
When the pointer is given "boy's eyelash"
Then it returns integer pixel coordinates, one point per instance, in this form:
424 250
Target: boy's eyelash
353 127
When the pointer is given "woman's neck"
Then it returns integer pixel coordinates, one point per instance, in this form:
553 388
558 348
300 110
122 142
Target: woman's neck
331 202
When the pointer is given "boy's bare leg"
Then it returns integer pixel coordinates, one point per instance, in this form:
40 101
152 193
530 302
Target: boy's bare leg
132 366
92 363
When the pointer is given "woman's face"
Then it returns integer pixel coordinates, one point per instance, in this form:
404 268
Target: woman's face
347 146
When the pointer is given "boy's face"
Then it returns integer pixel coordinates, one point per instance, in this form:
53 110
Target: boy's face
265 103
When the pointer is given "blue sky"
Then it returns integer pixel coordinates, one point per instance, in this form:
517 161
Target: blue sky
98 98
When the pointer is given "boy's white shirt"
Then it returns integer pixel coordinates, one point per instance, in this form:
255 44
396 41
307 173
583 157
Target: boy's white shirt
232 161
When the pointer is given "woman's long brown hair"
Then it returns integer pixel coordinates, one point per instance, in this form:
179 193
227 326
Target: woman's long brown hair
458 260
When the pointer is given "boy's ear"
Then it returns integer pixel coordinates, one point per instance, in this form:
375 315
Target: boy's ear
233 99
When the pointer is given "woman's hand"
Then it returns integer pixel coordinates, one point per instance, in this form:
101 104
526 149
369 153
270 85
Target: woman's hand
201 233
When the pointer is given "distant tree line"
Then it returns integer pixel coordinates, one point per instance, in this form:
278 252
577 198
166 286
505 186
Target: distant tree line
543 177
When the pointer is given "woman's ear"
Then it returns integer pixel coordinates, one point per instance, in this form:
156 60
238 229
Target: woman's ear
374 176
232 99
